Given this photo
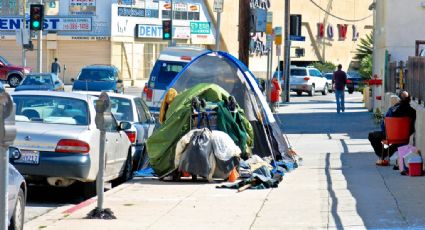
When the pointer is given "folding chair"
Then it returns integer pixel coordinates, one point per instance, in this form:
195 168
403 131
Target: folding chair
397 130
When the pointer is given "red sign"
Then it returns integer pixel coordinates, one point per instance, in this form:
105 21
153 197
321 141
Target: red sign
321 30
342 28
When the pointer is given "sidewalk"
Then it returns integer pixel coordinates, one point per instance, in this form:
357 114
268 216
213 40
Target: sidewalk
337 187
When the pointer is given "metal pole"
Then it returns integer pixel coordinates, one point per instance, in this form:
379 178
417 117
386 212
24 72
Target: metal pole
217 32
266 86
40 49
24 23
171 18
100 179
287 49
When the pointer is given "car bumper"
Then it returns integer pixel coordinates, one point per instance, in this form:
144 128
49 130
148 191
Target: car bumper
52 164
300 87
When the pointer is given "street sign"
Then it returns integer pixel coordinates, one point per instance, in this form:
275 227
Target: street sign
278 38
218 6
269 24
297 38
278 51
200 27
269 41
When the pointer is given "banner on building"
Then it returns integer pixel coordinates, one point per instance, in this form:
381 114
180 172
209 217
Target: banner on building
200 27
155 31
82 7
50 23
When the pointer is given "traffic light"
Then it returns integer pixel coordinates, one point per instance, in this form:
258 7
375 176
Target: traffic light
167 29
295 21
36 16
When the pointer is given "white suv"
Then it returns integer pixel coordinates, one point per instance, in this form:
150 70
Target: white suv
308 79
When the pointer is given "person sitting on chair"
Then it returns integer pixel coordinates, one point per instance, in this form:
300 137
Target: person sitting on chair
400 109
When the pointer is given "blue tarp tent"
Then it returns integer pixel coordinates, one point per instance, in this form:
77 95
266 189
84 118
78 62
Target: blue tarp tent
232 75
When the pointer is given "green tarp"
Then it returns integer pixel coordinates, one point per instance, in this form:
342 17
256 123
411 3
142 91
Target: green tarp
162 144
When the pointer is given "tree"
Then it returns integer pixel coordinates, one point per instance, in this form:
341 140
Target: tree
364 56
325 67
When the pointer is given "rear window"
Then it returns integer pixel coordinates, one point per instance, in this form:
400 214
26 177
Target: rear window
97 75
50 109
298 72
164 72
37 80
329 76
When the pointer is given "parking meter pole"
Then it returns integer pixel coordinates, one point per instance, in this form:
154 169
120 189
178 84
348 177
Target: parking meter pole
100 183
7 135
103 120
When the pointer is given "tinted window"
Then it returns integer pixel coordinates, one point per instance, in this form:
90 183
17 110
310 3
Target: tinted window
49 109
164 72
97 75
37 80
122 109
2 59
315 73
329 76
298 72
142 110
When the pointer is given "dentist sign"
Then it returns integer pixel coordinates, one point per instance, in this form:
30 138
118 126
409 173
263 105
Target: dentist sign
50 23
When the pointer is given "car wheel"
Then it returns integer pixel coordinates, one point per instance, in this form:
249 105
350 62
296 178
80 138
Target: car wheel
325 90
299 93
17 221
312 91
14 80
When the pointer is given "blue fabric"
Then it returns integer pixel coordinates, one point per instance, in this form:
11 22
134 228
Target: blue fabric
340 101
146 172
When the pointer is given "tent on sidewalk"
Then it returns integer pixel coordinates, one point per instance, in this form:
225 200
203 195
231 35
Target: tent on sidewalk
233 76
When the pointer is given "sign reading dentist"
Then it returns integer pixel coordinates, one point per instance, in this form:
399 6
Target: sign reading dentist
155 31
50 23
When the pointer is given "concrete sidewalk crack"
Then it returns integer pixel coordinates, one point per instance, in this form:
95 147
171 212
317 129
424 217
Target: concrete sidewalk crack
395 199
260 209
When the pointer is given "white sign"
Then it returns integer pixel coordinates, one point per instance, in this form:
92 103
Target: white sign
155 31
50 23
218 6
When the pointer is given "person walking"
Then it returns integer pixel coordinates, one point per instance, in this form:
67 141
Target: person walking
339 80
275 94
56 68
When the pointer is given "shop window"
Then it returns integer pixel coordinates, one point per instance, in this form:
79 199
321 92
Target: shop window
193 16
166 14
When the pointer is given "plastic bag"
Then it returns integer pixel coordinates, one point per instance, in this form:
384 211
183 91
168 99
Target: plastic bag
223 146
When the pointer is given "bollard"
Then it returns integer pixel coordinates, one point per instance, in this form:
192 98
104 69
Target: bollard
103 120
7 136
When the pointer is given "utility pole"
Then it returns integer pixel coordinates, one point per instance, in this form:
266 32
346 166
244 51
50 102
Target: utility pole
244 15
171 18
287 50
218 7
24 23
40 48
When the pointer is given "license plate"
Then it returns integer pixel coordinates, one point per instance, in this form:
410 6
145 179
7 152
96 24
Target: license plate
29 157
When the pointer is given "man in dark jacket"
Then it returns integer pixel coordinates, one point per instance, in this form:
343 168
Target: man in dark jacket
401 109
339 80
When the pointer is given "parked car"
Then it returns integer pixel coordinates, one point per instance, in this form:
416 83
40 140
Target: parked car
329 77
17 195
99 78
353 82
307 79
42 81
422 53
59 141
134 110
169 63
13 74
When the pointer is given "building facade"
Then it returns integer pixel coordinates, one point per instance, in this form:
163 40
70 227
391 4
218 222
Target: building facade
332 30
127 34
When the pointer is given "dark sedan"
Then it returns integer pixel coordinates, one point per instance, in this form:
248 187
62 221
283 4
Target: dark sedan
99 78
41 81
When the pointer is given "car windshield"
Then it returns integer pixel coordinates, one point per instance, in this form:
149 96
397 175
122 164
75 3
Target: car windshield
97 75
165 71
37 80
121 109
298 72
51 109
6 62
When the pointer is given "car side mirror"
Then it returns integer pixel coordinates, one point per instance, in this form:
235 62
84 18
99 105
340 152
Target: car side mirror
72 79
124 125
119 81
57 82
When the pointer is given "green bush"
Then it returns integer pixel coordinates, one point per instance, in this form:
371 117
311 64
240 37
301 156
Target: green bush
325 67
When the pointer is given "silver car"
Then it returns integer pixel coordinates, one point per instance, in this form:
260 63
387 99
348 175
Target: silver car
59 141
307 79
134 110
17 191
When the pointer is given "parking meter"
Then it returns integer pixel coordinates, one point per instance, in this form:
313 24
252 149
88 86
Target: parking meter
103 120
7 136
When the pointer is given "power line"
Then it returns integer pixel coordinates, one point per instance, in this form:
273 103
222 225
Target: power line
343 19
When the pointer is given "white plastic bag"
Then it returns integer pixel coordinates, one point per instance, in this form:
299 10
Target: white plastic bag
223 145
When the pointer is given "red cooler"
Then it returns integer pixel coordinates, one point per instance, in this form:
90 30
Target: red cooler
415 169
